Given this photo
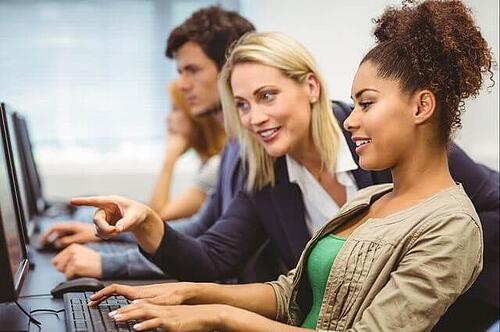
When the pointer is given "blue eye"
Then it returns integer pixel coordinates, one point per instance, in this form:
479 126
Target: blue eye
268 96
242 106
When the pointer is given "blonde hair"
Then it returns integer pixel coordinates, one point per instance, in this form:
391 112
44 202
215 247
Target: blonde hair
208 137
290 57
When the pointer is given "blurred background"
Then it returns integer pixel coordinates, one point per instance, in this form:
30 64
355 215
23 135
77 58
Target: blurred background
90 77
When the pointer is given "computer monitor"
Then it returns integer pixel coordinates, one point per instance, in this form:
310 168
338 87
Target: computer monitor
19 174
13 256
35 201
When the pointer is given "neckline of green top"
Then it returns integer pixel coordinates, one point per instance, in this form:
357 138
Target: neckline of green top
337 237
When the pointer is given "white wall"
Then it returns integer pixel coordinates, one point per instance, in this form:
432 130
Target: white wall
338 34
122 173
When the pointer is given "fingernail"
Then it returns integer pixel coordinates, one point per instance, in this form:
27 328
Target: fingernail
112 313
137 327
136 301
117 317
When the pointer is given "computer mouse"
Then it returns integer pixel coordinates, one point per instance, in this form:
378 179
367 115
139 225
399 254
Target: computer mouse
48 246
77 285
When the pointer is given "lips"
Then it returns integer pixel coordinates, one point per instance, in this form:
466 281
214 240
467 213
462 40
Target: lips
361 143
269 134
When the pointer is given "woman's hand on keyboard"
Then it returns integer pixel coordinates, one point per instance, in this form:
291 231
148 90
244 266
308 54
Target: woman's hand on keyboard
192 318
166 293
116 214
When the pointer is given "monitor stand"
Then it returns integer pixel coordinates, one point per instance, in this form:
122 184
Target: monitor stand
12 319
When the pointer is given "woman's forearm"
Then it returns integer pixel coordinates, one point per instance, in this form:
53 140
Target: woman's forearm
149 233
161 193
257 298
236 319
187 204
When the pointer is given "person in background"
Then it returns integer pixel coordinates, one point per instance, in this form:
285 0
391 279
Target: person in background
207 137
406 250
198 46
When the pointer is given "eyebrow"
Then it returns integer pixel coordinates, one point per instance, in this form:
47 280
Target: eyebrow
359 93
189 66
257 91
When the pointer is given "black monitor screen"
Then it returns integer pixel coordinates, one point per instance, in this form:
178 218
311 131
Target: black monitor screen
11 230
12 247
18 170
36 204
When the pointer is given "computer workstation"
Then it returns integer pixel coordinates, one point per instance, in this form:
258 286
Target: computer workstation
41 213
13 252
17 225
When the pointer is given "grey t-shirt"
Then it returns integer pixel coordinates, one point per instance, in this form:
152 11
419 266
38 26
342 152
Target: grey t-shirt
207 177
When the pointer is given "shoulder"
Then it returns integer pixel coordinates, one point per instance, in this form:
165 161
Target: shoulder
480 182
366 195
212 163
448 215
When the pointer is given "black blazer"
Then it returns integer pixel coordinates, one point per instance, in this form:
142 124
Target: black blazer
276 214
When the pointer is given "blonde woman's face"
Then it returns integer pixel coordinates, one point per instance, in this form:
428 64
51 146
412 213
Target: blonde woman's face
275 109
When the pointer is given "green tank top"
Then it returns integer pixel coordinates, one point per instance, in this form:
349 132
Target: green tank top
319 263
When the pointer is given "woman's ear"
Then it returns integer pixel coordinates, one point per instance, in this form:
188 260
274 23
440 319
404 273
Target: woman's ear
425 106
313 87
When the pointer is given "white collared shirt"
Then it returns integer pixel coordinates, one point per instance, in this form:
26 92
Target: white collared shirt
319 206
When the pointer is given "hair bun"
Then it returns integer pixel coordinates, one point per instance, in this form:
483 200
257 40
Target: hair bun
433 44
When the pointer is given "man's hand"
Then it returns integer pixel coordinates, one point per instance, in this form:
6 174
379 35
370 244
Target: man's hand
78 261
68 233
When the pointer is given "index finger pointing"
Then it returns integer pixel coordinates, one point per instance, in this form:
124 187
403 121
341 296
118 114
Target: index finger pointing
103 227
96 201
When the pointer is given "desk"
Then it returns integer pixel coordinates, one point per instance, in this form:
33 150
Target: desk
35 293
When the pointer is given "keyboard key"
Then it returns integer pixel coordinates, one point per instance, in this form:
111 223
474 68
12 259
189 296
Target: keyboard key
80 324
109 323
80 317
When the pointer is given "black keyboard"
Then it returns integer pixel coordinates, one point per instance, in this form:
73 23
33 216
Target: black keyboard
80 317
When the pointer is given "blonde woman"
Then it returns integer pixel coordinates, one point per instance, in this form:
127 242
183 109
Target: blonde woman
207 137
397 255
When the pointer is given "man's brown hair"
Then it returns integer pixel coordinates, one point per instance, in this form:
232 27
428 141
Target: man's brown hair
213 28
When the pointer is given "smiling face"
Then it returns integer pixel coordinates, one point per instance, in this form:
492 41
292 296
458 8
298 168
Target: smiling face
274 108
381 123
197 78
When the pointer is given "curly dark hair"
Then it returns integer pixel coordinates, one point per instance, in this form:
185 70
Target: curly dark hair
433 45
213 28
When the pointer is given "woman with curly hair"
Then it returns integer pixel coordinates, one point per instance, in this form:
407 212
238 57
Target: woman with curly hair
397 255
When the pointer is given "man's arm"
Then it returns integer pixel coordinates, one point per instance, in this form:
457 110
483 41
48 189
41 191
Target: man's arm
129 264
